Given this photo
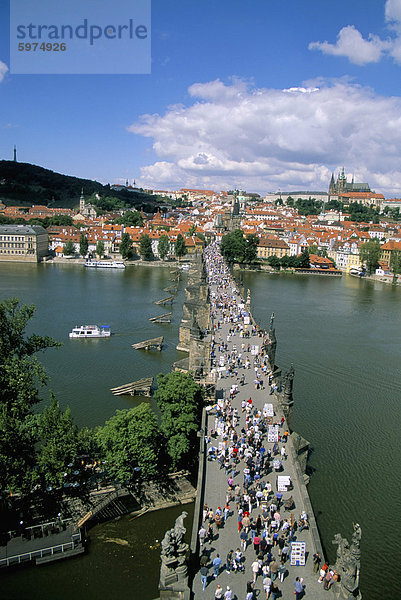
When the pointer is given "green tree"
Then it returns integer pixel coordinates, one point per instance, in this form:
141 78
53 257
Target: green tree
83 245
233 246
126 249
180 401
290 201
145 247
69 248
192 229
313 249
163 246
369 253
100 248
58 437
20 375
395 264
304 262
130 439
274 262
285 261
251 248
131 219
180 248
294 261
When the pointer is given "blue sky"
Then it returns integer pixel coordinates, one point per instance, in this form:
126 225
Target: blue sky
265 95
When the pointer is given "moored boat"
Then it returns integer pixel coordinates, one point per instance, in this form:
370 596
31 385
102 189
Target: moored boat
90 331
105 264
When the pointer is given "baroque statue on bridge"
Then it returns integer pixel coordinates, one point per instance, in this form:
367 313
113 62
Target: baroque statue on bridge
348 564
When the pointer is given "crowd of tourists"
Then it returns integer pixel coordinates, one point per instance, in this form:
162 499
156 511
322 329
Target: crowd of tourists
237 439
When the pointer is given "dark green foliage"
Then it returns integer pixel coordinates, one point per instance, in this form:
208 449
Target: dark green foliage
334 205
304 262
232 246
359 212
145 247
58 444
24 180
180 401
126 249
251 248
100 247
369 253
130 439
236 248
395 263
41 186
308 206
274 262
130 219
69 248
180 249
163 246
20 374
83 245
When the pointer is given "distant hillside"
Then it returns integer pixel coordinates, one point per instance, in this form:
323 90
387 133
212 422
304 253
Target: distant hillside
23 184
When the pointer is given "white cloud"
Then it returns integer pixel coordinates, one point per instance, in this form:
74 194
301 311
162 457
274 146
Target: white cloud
360 51
267 138
3 70
352 45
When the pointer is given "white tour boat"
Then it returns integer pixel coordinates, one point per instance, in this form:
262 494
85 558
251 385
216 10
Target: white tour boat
90 331
105 264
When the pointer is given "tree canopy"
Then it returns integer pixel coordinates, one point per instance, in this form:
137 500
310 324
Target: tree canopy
130 440
126 249
237 248
180 401
83 245
163 246
180 248
69 248
20 374
145 247
369 253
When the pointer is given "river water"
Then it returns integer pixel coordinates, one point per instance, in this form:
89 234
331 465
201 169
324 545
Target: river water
342 334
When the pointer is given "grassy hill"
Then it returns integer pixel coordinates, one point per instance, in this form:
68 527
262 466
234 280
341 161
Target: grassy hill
23 184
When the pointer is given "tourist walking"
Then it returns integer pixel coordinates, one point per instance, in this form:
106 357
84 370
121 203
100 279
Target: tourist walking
216 566
204 574
299 588
219 593
249 591
228 594
255 569
202 535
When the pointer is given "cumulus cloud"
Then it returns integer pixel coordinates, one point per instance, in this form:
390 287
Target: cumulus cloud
360 51
352 45
3 70
269 138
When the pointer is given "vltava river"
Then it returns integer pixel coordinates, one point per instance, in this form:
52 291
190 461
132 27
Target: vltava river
342 335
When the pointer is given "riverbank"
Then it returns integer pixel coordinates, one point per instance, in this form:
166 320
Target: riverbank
128 263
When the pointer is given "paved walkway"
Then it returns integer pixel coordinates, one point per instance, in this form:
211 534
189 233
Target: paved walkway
227 538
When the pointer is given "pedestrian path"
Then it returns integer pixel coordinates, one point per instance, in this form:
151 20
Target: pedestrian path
237 426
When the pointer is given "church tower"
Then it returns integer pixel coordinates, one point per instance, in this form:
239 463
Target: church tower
82 202
332 185
341 182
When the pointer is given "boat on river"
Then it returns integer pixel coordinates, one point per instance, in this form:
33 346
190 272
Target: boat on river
90 331
105 264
